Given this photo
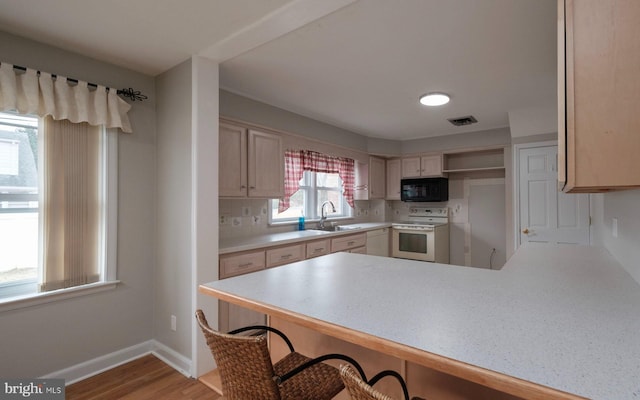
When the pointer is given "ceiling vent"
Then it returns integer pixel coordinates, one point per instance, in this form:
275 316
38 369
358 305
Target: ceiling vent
461 121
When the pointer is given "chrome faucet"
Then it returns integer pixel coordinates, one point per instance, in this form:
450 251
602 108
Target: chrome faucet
323 216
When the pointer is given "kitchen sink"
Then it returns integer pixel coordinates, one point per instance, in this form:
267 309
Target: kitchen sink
335 228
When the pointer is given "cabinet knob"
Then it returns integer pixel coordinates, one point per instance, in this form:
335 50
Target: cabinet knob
243 187
252 187
525 231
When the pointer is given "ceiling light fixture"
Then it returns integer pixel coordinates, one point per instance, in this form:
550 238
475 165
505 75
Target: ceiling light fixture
434 99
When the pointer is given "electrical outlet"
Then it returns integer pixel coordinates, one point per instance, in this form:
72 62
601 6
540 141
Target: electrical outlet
174 324
236 221
359 212
376 212
264 210
224 220
246 211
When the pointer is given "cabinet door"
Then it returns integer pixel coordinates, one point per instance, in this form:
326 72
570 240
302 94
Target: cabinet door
378 242
376 178
361 189
394 175
431 165
599 132
232 161
411 167
266 165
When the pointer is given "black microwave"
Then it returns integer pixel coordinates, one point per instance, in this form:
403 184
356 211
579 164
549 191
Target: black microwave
424 189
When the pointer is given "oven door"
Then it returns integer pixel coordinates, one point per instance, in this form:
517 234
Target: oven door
414 244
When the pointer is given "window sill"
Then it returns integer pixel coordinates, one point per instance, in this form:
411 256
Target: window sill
30 300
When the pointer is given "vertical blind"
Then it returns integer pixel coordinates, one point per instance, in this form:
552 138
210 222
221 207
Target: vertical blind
71 204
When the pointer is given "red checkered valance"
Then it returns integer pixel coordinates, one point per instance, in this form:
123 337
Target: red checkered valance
298 161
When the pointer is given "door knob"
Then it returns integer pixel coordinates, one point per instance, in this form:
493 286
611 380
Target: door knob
525 231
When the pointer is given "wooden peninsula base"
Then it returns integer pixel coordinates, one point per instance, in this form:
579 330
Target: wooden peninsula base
422 381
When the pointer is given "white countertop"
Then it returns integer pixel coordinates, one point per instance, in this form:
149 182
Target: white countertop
232 245
566 317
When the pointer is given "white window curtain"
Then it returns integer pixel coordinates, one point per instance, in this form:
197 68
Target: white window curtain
40 94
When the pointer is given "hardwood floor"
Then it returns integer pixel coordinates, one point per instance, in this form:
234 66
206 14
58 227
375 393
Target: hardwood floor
146 378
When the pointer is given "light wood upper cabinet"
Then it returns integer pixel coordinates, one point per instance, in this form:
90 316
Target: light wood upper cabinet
599 87
232 161
361 189
424 166
394 175
411 167
265 165
377 181
251 163
370 179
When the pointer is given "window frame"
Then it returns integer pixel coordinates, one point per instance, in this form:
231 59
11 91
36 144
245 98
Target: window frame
312 213
24 293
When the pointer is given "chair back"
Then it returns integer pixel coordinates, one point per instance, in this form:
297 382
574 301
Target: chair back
357 388
245 366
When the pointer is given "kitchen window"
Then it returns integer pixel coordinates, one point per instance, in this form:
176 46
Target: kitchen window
58 193
315 188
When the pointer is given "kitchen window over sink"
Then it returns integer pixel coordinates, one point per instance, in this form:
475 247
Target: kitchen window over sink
312 178
315 189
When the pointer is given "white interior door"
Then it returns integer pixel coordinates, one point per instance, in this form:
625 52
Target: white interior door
547 215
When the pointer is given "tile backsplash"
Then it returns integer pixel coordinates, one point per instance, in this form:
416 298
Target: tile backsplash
249 217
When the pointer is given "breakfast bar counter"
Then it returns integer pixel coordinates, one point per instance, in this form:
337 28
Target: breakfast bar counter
555 322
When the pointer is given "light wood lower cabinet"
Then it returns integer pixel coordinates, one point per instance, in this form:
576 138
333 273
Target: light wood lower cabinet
348 242
241 263
285 255
234 264
359 250
231 316
318 248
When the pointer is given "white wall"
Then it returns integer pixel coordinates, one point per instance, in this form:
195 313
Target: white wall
173 271
624 206
40 340
248 110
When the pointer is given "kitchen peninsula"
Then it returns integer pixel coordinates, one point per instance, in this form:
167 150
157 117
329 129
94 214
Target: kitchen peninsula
555 322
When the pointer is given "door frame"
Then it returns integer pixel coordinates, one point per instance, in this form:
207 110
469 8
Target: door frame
516 186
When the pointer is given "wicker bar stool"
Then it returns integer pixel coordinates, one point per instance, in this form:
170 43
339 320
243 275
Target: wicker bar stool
247 372
361 389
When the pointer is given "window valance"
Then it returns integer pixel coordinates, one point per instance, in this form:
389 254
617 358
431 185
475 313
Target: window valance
40 94
298 161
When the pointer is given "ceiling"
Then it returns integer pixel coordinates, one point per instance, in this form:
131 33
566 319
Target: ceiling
359 65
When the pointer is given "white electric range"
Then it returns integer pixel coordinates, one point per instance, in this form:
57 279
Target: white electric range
423 236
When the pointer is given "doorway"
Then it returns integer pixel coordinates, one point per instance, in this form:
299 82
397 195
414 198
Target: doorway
543 213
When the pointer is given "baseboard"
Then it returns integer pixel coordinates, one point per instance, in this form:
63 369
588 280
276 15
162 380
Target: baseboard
172 358
100 364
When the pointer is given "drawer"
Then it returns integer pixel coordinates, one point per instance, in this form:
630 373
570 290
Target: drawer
285 255
359 250
318 248
242 263
348 242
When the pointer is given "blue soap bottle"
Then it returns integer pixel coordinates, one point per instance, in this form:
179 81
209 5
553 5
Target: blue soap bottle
301 222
